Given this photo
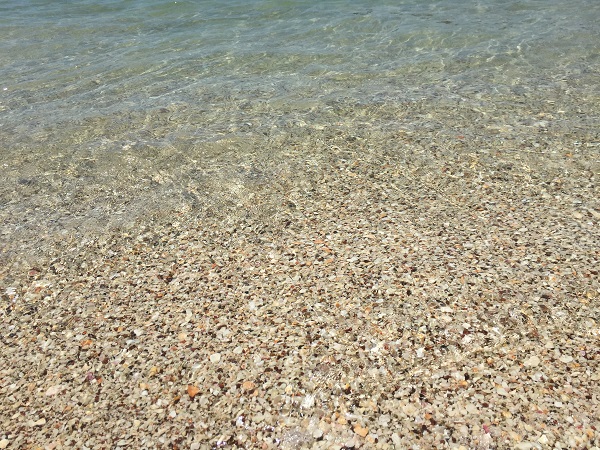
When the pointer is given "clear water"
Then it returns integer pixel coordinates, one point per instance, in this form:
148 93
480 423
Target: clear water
112 111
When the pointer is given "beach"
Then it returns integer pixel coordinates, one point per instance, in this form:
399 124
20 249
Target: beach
324 225
389 303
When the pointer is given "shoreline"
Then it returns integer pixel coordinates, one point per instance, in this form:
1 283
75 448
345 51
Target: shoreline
382 307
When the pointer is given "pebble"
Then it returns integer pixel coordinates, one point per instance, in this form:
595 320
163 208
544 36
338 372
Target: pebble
343 320
248 385
54 390
534 361
524 446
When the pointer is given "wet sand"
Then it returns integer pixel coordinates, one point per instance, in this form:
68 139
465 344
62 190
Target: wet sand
422 296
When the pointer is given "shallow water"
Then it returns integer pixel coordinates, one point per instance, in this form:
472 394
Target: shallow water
112 112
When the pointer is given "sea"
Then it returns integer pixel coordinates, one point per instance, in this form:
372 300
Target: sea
115 113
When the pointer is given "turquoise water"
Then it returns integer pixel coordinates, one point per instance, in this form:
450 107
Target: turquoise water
70 61
111 110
